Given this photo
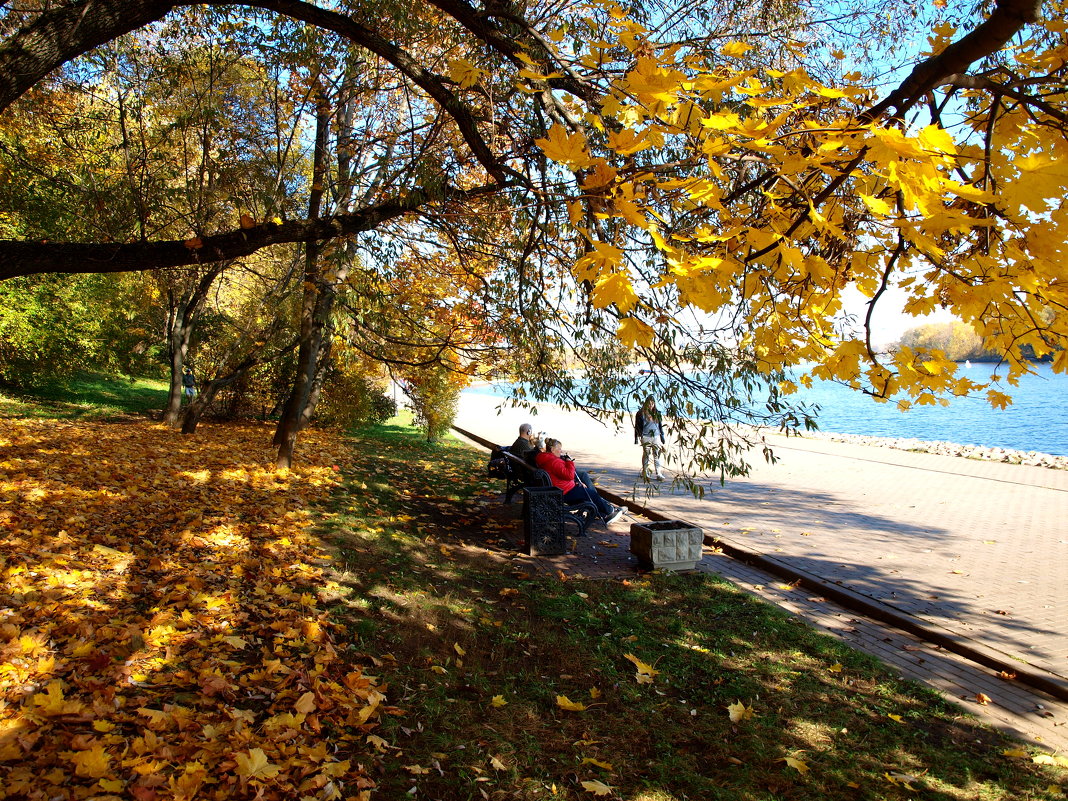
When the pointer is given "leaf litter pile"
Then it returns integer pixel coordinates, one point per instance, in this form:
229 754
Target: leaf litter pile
161 632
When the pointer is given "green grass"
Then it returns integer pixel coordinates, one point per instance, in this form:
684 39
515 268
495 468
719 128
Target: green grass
88 395
438 605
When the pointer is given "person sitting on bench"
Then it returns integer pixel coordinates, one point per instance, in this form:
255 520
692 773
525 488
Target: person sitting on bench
524 443
561 470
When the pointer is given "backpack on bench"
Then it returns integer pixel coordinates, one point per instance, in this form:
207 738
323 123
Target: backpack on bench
499 465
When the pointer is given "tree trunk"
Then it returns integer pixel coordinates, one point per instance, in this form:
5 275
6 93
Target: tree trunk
316 388
310 334
181 321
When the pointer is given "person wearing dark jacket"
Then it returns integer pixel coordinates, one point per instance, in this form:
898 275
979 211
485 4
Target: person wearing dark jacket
525 442
649 431
561 470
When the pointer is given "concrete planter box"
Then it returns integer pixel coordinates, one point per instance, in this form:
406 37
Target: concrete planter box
667 545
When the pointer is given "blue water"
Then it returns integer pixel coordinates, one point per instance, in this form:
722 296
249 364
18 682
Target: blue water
1036 421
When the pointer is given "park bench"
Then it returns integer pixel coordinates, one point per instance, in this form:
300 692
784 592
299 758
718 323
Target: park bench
542 501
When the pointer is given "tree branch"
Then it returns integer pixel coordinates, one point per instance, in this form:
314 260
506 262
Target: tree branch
31 258
1008 17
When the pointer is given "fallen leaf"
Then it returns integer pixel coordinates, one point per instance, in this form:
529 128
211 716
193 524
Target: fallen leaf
739 712
643 668
797 764
496 764
564 702
498 701
595 787
597 762
94 763
982 698
255 765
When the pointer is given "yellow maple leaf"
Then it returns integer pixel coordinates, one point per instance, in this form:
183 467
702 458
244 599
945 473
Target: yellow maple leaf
565 148
465 73
628 141
596 787
615 288
564 702
734 49
643 668
94 763
797 764
498 701
255 765
597 762
739 712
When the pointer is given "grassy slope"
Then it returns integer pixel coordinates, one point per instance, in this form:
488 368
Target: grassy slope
88 396
476 653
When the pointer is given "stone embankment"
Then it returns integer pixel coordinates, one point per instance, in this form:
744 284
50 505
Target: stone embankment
981 452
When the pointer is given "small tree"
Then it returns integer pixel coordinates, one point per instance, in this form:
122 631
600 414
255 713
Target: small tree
434 392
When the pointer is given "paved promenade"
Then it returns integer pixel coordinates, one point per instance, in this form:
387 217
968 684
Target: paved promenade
975 553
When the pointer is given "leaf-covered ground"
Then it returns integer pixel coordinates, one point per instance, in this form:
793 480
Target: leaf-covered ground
161 633
178 620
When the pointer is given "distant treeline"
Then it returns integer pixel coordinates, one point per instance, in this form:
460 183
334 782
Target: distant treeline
957 340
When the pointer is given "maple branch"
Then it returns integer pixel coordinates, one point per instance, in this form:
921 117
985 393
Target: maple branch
60 34
1008 17
32 257
478 22
358 33
983 82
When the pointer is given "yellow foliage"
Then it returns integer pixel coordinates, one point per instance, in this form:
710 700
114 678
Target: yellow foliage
184 602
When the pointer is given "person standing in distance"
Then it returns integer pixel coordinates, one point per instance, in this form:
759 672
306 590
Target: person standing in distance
649 431
189 384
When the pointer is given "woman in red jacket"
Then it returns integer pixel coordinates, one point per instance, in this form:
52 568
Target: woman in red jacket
561 470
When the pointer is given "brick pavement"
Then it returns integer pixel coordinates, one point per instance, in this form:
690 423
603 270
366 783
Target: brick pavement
977 549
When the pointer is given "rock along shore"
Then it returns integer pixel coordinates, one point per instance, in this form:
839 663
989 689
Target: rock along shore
980 452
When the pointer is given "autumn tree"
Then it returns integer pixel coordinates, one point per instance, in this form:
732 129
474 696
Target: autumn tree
676 186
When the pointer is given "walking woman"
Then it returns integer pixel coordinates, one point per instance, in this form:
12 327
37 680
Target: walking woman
649 431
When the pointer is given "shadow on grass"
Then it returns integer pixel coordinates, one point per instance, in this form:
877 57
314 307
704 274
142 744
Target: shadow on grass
478 651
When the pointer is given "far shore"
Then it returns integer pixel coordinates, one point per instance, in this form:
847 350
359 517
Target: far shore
981 452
